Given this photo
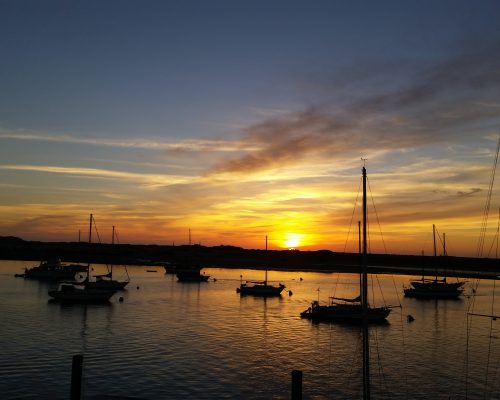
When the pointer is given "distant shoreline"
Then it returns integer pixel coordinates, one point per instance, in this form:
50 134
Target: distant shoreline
12 248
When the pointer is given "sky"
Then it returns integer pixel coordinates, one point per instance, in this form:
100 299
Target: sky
241 119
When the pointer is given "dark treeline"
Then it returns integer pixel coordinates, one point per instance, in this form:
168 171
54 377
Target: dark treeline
12 248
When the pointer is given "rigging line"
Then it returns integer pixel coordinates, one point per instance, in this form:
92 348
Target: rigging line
330 357
405 364
439 238
368 233
491 319
337 282
376 215
383 242
486 210
479 252
446 261
352 216
465 353
98 236
349 232
495 379
465 329
466 361
353 360
493 301
474 288
381 291
394 283
380 366
96 231
396 290
489 342
381 236
495 239
470 309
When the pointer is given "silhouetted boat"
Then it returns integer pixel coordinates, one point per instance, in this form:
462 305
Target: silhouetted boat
68 292
436 288
170 268
106 281
355 310
350 310
54 270
189 271
191 274
260 288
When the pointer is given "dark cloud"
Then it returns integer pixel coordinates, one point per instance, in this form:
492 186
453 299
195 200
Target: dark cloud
470 192
436 103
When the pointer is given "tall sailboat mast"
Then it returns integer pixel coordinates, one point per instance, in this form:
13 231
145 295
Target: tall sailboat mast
112 243
90 241
265 280
360 259
364 301
435 252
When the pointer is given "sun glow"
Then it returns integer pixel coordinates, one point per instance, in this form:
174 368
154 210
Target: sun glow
293 240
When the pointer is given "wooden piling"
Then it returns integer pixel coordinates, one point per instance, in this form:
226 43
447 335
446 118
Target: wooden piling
296 385
76 377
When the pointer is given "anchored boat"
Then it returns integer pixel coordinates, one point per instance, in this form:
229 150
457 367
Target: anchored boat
427 288
351 310
260 288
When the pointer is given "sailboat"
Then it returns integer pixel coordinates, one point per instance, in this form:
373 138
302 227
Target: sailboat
190 272
53 270
356 310
69 292
260 288
434 288
106 281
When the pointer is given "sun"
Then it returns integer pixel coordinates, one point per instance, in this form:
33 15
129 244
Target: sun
293 240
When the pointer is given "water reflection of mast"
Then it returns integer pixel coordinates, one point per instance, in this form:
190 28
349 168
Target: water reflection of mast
84 328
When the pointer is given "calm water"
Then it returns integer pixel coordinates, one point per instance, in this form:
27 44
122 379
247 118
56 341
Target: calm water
171 340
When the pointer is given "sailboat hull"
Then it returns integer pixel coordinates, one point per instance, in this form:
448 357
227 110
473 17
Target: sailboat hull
68 293
191 275
105 284
345 312
54 271
260 289
434 290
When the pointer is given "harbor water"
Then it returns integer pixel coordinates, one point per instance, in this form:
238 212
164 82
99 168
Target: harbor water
172 340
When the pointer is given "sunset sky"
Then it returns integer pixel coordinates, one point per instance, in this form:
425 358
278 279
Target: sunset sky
240 119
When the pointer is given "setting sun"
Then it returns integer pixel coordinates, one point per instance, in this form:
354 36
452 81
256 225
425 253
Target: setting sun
293 240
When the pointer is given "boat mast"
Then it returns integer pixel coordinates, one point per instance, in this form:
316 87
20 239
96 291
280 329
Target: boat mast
435 253
112 243
90 241
265 280
360 258
364 301
444 256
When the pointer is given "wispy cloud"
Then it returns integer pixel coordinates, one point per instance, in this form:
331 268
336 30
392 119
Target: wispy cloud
188 145
150 180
